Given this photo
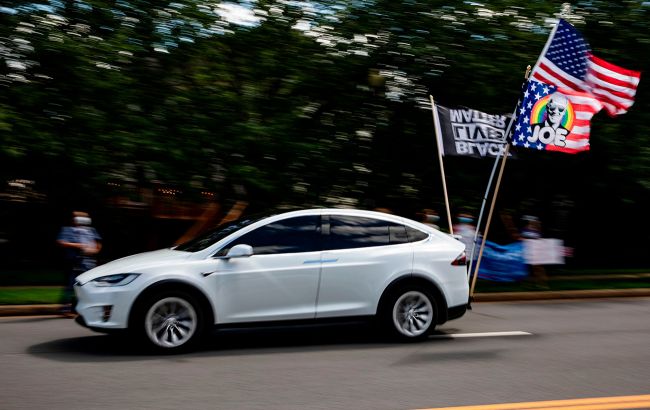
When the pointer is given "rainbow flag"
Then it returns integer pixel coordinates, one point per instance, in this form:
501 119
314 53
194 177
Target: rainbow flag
550 118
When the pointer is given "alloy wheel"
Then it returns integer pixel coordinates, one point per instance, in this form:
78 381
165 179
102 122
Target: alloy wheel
412 314
171 322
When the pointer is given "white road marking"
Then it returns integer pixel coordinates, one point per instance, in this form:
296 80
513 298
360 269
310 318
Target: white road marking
485 334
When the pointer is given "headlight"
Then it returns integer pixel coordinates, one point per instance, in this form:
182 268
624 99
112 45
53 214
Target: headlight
120 279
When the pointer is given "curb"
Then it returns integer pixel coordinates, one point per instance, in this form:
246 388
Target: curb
561 294
33 310
30 310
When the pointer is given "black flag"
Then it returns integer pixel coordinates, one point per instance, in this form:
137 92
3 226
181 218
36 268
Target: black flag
470 133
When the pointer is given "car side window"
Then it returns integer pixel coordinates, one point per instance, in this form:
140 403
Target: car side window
293 235
397 234
415 235
348 232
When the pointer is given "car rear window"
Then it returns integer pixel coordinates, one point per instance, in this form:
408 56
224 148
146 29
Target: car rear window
415 235
348 232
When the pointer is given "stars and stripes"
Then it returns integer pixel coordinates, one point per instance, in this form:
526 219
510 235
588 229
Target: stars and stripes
534 129
568 63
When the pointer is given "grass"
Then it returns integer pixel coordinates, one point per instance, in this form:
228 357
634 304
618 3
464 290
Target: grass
24 295
561 278
563 271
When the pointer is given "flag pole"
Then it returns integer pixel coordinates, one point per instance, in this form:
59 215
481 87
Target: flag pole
436 126
480 215
489 218
494 197
489 186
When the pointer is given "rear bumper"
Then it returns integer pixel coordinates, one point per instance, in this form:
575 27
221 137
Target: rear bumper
456 312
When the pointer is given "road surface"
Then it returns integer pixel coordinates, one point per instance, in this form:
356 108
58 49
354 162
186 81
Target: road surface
497 353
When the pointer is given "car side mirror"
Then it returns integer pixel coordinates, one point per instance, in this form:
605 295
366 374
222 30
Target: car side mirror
238 251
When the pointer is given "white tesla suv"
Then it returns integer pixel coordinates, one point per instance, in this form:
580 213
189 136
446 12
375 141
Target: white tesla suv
296 266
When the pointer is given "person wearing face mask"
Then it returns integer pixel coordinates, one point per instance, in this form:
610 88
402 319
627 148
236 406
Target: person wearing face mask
429 217
532 228
81 243
464 227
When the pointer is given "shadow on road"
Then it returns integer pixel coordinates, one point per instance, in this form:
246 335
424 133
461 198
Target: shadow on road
231 342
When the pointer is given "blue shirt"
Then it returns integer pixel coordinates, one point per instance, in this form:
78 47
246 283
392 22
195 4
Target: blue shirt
86 235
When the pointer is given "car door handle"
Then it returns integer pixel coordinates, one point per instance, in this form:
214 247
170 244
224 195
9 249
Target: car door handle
320 261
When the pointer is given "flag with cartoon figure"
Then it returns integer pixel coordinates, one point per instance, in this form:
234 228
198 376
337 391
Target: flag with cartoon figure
554 119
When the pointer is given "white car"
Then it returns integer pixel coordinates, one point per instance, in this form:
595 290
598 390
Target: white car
296 266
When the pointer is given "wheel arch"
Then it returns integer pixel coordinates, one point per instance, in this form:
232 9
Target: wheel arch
173 285
418 281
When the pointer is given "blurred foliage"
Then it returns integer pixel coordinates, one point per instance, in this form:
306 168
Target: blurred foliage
322 102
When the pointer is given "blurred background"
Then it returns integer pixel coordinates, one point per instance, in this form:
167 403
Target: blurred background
158 118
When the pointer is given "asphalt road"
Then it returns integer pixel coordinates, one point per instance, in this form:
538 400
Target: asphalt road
576 349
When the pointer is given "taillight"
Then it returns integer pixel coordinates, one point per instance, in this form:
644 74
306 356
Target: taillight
461 260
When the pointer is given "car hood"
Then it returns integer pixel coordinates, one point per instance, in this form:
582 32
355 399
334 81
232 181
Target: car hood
134 263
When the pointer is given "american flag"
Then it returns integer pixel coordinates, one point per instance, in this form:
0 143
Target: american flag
567 62
554 119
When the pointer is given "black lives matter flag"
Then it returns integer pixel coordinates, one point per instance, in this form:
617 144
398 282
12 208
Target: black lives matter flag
470 133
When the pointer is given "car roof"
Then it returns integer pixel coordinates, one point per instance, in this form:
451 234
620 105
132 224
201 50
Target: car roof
272 217
360 213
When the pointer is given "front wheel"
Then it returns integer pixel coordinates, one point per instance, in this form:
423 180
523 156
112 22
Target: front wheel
410 314
171 321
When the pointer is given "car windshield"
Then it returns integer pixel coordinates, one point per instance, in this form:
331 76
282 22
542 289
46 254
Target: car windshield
213 236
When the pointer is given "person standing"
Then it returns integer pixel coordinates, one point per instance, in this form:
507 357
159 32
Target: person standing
532 227
532 230
81 244
464 227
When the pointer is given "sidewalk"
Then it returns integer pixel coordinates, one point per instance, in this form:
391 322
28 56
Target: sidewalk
54 309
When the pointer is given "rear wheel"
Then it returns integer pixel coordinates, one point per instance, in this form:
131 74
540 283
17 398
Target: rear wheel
170 321
410 314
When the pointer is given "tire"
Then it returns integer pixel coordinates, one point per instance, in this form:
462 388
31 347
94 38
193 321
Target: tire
409 314
169 321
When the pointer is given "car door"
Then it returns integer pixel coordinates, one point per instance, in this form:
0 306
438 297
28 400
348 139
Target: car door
279 281
361 257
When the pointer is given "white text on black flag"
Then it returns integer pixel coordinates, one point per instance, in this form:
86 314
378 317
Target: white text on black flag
472 133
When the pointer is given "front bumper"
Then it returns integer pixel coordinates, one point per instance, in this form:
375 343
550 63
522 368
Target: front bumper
81 322
94 302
